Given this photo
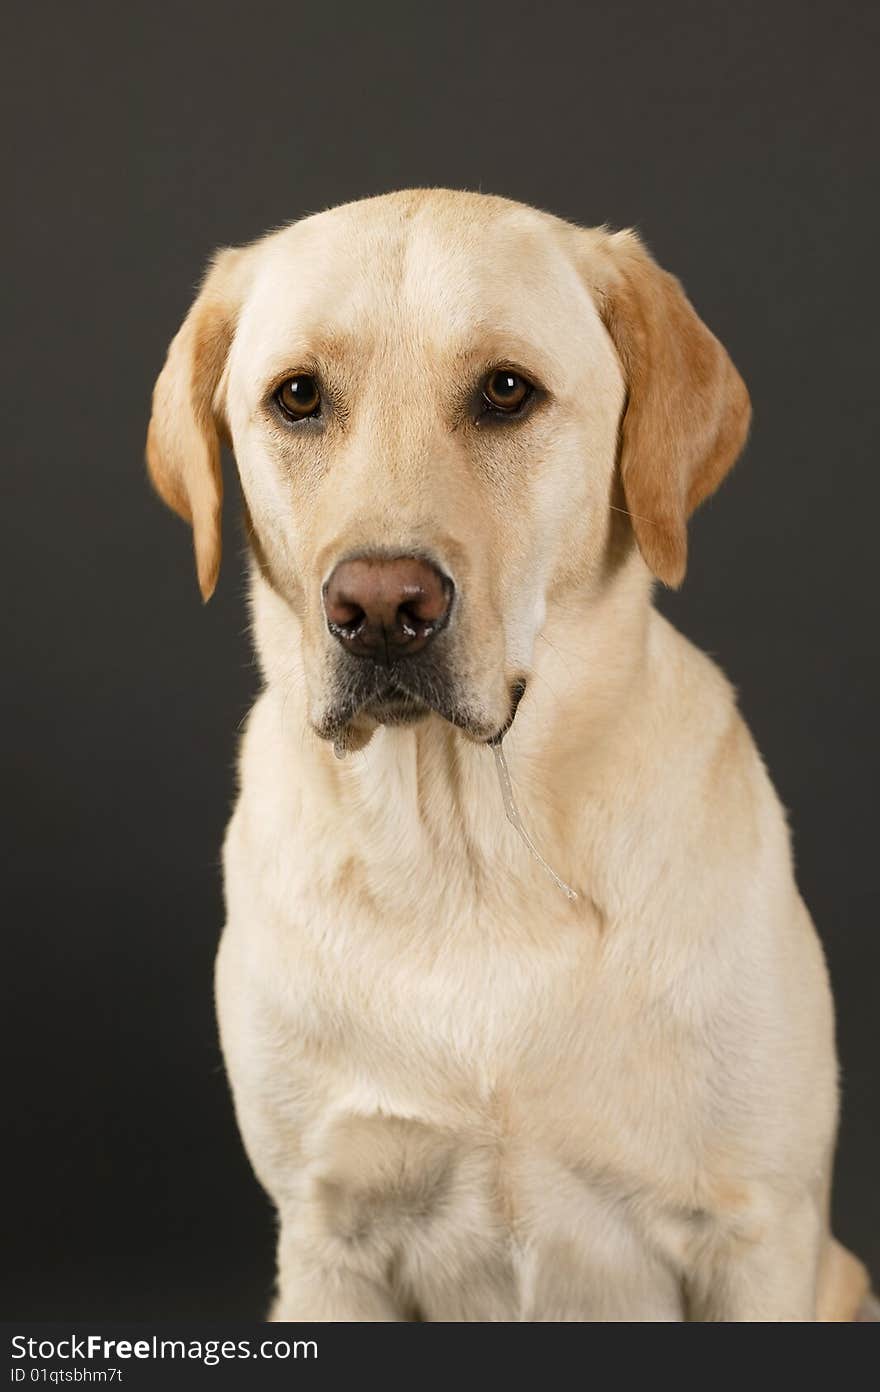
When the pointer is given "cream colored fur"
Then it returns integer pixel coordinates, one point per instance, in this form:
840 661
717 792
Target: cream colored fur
469 1098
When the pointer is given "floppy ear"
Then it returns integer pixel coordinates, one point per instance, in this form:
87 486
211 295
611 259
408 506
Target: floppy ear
687 408
187 424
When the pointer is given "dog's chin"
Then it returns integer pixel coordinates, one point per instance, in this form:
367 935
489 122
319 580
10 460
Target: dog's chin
395 710
351 730
351 734
366 696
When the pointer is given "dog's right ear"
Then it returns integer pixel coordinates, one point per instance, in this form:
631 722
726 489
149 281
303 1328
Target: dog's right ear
188 420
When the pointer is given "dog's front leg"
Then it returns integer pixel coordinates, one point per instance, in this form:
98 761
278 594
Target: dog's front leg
325 1285
766 1274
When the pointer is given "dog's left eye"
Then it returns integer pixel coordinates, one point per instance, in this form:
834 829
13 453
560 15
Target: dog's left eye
299 397
505 391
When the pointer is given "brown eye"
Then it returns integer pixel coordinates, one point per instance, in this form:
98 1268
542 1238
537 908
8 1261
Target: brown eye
299 397
506 391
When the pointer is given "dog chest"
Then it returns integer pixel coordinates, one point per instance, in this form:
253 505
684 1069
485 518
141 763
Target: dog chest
472 1225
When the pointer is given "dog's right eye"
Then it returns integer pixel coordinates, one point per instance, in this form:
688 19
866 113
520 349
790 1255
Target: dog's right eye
299 397
505 392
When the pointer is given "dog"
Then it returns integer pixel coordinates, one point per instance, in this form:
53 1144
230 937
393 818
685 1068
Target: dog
469 437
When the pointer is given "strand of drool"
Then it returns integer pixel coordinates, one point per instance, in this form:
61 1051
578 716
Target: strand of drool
516 821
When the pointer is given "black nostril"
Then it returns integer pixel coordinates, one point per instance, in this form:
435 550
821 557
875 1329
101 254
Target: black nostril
411 623
348 627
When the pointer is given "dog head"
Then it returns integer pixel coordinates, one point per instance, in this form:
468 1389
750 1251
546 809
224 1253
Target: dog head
436 401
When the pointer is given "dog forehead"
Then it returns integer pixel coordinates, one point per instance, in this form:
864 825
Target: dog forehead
437 272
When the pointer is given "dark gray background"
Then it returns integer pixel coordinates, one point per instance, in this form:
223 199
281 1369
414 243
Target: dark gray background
741 140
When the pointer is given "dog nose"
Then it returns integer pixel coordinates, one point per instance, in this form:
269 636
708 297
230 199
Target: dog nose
386 607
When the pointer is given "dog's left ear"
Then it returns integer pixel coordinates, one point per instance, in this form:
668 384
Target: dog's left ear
687 409
188 420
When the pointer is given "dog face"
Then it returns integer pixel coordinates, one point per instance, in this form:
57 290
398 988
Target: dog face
434 400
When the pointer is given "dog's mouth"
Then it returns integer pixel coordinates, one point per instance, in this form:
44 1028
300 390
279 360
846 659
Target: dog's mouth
517 692
370 694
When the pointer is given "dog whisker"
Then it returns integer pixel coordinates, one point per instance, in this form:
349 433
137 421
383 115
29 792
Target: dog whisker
625 512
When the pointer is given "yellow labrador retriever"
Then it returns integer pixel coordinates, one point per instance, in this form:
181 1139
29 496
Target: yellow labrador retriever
582 1073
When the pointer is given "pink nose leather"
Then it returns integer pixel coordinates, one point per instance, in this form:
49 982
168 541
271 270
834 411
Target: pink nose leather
386 608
